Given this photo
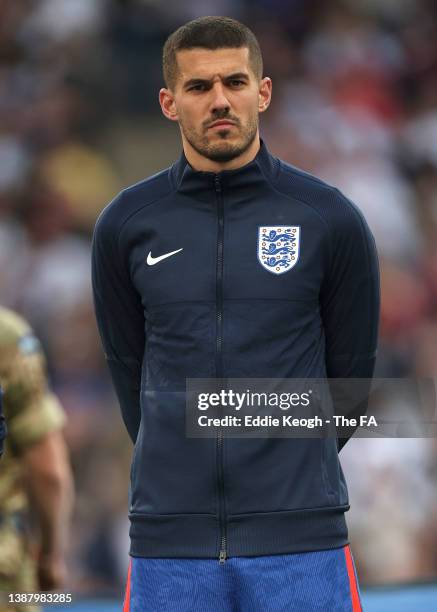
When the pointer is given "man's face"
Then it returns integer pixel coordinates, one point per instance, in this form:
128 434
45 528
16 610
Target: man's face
216 101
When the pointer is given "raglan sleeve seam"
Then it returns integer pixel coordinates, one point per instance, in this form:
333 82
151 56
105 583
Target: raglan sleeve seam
318 213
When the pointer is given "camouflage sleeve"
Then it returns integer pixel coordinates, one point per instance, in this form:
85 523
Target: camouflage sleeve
2 423
31 410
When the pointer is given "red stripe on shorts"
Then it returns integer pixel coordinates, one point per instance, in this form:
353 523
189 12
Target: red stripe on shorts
356 604
126 606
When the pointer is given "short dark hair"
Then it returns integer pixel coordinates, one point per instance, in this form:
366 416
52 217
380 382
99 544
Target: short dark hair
209 33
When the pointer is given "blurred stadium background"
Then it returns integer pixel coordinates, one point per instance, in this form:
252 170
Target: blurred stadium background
355 102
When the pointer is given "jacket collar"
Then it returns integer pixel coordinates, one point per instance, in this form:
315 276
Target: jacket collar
201 185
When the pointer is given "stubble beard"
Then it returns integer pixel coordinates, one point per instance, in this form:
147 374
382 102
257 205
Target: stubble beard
221 151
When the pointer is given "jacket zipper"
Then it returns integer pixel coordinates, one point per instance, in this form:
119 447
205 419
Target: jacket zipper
219 365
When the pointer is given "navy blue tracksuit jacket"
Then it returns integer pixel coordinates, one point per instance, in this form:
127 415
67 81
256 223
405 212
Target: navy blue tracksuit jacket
263 271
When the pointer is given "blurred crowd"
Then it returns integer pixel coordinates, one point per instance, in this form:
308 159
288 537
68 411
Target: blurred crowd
354 102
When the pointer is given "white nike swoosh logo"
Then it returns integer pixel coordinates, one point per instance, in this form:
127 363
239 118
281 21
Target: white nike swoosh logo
151 261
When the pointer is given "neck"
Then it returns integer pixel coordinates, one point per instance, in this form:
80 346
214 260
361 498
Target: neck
203 164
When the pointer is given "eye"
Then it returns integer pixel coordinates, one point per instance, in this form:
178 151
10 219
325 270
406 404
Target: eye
198 87
236 83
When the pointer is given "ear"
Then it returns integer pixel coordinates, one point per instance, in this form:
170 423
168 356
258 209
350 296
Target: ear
168 105
265 94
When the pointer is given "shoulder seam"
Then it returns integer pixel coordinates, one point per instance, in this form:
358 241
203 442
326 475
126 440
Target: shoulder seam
357 212
164 195
302 200
307 176
120 229
319 215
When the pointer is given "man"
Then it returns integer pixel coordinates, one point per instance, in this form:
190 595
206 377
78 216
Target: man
35 476
186 286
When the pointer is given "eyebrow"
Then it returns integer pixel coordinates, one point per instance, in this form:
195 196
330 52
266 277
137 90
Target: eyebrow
229 77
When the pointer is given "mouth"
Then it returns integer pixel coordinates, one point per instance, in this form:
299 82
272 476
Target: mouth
223 124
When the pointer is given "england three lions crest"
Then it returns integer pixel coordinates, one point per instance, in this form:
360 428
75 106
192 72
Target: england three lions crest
278 247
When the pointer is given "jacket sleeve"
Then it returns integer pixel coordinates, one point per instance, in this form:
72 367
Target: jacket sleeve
350 301
120 318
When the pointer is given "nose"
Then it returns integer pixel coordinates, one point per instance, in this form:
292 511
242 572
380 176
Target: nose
219 99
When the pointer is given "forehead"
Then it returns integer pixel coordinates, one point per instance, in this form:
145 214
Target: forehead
208 63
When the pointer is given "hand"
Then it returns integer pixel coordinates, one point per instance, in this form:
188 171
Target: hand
52 572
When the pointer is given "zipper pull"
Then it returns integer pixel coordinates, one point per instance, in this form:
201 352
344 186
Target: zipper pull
222 557
217 183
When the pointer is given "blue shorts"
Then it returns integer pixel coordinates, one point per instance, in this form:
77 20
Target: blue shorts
299 582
